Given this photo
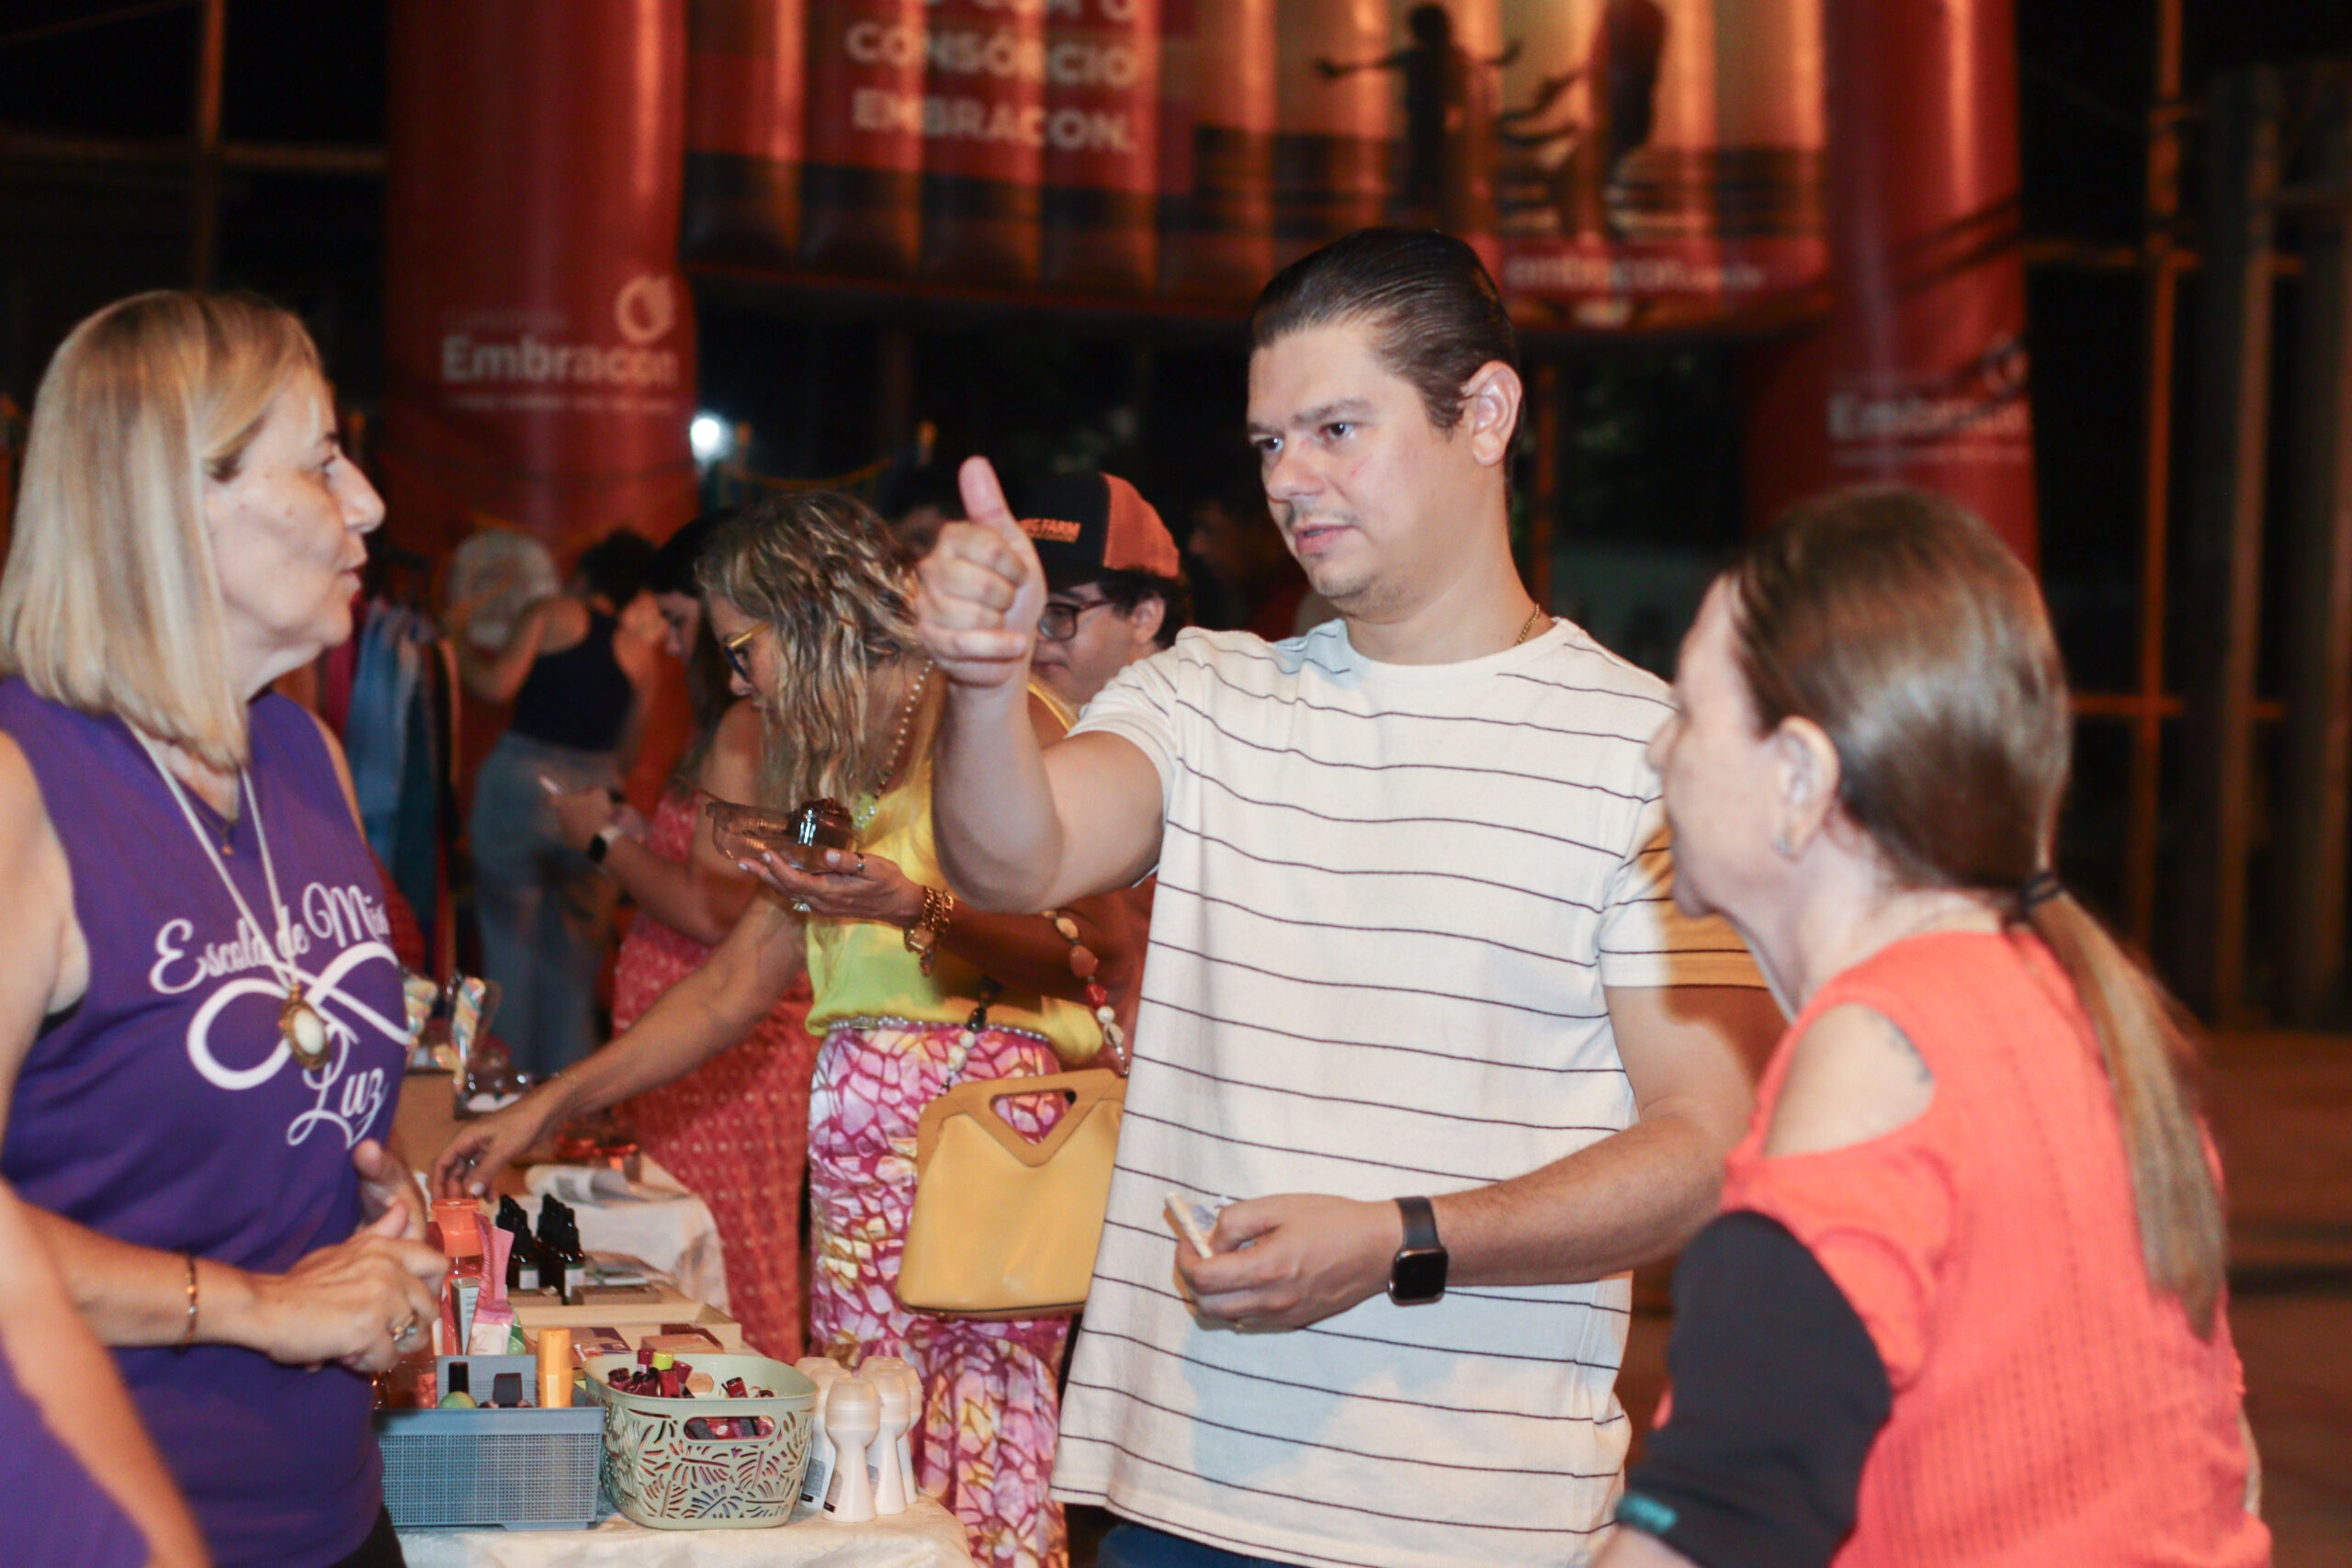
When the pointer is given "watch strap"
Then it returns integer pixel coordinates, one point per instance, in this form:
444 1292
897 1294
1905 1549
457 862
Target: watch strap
1421 1223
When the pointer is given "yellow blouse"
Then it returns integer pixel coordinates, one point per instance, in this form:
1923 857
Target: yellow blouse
860 969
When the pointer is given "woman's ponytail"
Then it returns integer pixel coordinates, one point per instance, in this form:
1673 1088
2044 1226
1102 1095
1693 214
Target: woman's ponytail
2151 1054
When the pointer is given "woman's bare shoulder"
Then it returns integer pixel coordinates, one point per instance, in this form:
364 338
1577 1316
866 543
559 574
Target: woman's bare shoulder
1853 1076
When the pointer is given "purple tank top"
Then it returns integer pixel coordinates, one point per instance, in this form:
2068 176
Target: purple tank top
164 1110
57 1515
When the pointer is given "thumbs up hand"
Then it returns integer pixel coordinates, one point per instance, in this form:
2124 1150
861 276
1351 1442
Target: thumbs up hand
981 590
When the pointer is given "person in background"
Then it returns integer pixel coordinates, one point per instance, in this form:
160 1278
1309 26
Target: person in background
1252 581
1418 999
577 675
1115 593
915 991
736 1129
1965 1303
916 497
80 1480
202 1027
677 598
1116 588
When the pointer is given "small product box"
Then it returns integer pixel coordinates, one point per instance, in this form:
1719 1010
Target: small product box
634 1312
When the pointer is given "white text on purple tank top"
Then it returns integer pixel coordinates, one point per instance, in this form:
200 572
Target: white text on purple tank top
355 926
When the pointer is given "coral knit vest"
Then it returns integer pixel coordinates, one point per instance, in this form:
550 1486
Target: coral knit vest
2049 1407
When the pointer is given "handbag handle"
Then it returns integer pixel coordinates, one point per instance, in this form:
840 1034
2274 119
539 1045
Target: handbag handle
979 1099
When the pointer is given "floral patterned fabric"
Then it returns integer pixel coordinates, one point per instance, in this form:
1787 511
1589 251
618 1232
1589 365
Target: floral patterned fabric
985 1448
736 1129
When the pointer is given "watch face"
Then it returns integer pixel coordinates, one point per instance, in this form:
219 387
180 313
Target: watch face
1416 1276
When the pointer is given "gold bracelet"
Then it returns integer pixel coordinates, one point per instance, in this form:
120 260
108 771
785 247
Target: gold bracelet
922 937
188 1330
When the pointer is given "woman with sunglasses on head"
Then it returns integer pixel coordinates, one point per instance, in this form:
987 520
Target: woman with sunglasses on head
203 1029
736 1129
1964 1304
915 991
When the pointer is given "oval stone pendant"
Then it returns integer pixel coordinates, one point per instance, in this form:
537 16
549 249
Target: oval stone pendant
304 1030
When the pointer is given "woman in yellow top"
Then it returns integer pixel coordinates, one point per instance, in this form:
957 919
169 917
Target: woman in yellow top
914 992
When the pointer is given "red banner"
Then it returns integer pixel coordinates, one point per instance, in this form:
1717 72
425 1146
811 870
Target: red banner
983 127
1332 140
862 208
1103 77
1218 104
540 343
1922 377
745 74
1658 163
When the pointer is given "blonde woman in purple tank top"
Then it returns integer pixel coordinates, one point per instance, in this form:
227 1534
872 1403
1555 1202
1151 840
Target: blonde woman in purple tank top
202 1030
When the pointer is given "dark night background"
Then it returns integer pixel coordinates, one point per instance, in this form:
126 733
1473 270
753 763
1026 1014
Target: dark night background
1650 453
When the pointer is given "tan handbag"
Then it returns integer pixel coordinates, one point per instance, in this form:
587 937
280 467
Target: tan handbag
1003 1227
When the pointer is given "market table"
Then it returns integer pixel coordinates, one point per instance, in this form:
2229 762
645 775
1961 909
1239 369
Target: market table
926 1535
661 1222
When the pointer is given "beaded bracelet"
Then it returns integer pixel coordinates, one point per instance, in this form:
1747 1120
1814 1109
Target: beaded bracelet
1084 965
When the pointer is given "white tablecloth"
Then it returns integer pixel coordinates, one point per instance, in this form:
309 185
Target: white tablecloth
655 1219
926 1535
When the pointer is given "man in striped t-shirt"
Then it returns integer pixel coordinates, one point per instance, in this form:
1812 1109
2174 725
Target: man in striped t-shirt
1416 992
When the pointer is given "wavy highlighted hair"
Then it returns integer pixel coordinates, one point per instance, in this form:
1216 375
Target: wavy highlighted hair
822 572
111 604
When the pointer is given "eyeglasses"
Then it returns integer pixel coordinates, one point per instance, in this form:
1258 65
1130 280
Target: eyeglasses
732 647
1058 621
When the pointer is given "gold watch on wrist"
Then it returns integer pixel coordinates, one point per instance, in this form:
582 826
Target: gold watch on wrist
922 937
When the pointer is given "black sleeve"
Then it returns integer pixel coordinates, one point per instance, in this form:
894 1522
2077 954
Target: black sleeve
1779 1393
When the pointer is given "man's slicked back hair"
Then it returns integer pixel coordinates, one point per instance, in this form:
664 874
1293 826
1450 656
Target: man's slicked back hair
1436 314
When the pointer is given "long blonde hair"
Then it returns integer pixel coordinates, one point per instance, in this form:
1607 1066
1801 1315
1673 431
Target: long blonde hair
1899 624
820 570
110 602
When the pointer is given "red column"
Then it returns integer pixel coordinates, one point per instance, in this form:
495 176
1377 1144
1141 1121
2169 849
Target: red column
1921 375
539 343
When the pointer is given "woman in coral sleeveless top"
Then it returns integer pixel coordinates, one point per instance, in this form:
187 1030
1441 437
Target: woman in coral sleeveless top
1965 1303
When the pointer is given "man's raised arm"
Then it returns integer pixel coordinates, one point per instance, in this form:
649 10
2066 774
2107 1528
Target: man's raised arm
1020 826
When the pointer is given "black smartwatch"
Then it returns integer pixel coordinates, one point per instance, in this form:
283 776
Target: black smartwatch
1417 1274
602 842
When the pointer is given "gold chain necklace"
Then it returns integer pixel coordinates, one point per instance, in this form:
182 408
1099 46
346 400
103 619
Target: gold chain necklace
1528 630
863 816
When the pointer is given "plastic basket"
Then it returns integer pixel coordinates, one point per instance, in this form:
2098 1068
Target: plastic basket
523 1469
665 1480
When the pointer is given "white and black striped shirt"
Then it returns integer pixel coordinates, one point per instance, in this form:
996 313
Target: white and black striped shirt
1390 898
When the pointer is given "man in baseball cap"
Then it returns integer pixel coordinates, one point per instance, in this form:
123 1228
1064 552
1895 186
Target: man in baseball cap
1115 585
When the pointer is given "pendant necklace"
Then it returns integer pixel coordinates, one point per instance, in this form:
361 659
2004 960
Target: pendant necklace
298 1023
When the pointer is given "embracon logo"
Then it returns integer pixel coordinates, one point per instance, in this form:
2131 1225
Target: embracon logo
645 310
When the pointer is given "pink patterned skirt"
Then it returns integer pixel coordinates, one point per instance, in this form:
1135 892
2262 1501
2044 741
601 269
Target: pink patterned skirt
990 1414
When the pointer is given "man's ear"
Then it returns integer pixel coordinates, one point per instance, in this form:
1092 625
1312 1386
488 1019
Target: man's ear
1491 400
